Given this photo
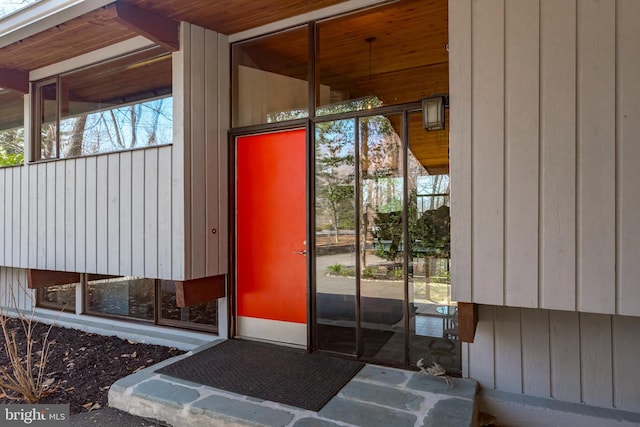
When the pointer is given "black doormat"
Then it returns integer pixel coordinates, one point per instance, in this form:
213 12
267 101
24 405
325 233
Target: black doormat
268 372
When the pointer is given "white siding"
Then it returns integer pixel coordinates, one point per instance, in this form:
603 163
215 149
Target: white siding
574 357
628 156
201 74
96 214
13 282
147 213
544 153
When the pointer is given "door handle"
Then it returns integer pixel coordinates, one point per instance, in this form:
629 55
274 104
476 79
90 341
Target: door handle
304 252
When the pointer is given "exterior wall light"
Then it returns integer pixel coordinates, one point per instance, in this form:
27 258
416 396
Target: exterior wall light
433 113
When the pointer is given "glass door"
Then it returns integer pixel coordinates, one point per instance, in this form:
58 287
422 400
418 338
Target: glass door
381 248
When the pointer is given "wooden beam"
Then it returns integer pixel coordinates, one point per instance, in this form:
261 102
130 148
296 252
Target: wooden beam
198 291
158 28
467 321
14 80
42 278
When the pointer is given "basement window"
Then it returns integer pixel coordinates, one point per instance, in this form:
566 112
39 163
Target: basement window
122 104
129 298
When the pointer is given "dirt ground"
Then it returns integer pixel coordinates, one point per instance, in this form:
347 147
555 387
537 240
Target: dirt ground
82 366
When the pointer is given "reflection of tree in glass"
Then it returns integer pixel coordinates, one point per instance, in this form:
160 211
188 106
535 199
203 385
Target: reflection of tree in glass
122 128
335 174
11 147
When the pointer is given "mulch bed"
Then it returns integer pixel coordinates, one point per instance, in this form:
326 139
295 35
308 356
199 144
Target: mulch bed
83 366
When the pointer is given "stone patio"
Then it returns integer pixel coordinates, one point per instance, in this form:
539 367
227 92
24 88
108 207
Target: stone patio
376 397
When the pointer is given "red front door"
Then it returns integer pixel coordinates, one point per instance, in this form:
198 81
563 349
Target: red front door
271 236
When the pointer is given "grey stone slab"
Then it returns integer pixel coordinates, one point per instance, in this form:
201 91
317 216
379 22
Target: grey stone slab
382 375
243 410
133 379
168 394
454 412
365 415
315 422
465 388
382 395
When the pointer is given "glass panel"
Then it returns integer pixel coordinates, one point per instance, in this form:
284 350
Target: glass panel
121 296
123 104
388 55
382 274
47 101
271 78
11 128
203 314
335 252
433 326
7 7
58 296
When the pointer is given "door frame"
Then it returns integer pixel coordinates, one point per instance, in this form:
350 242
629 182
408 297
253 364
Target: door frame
233 134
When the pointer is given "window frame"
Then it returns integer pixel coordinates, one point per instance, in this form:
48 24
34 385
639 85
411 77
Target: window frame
156 300
45 77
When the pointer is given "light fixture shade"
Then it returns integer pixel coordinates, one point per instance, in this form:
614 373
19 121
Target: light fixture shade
433 113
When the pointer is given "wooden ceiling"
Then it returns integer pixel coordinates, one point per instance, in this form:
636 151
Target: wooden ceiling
407 59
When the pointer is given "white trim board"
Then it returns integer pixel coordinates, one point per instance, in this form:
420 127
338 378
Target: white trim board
43 15
273 330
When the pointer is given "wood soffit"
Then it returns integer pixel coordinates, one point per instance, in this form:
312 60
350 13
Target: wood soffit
410 40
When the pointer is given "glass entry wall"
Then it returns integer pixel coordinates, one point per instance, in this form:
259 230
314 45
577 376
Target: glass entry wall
381 253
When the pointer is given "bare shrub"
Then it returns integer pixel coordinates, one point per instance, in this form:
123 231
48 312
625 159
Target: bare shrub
24 377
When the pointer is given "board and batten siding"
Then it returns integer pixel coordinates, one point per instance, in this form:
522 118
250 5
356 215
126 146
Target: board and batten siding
568 356
158 212
545 119
99 214
201 121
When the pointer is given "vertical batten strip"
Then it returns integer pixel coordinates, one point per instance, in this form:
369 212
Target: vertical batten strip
558 158
460 95
151 214
522 103
164 213
187 46
180 79
113 214
482 351
126 207
564 343
596 156
138 215
91 215
32 239
25 214
628 172
102 218
508 351
596 362
49 222
15 220
70 215
224 120
488 152
59 224
212 93
536 365
81 214
626 347
199 117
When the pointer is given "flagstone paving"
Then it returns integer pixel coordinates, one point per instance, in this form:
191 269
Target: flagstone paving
376 397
